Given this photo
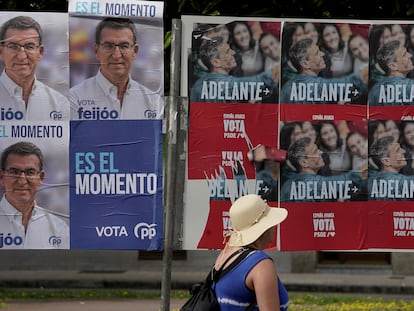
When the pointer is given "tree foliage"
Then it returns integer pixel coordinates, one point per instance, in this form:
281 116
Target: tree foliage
39 5
357 9
380 9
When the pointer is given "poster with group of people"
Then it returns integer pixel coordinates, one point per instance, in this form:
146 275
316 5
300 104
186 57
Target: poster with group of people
314 116
81 108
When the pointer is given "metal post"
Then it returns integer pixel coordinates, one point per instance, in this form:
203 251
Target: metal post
170 175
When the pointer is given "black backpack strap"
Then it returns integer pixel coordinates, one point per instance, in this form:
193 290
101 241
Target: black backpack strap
222 272
213 275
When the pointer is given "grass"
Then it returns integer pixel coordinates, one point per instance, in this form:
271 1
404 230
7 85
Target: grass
337 302
299 301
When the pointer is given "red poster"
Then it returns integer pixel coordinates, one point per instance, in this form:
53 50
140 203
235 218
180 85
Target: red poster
323 226
339 143
224 133
390 225
220 156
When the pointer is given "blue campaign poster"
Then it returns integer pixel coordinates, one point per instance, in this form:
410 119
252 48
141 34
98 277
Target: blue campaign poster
116 185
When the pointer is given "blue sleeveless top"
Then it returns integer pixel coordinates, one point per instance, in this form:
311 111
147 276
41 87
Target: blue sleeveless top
232 292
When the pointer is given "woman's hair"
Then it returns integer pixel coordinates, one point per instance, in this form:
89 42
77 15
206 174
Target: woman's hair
372 128
375 35
233 43
321 144
289 30
401 128
409 44
322 43
285 133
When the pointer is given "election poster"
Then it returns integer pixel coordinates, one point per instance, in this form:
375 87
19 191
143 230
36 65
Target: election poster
325 72
390 182
34 139
391 71
102 60
326 171
116 96
116 60
341 159
51 51
34 170
329 80
390 99
220 169
116 184
234 110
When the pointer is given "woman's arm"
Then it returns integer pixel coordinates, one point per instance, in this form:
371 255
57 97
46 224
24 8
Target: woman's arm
263 280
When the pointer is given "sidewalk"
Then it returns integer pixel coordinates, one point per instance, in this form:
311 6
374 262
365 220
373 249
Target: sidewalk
382 284
91 305
295 282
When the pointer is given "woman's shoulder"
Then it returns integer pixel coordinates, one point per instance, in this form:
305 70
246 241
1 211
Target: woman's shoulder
259 255
261 264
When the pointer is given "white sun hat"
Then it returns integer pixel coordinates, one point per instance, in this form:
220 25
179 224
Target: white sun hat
250 217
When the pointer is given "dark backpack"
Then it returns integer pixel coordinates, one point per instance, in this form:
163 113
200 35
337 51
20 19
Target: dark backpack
203 296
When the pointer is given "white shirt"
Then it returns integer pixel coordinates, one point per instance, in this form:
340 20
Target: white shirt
357 162
44 230
340 160
96 99
270 63
44 104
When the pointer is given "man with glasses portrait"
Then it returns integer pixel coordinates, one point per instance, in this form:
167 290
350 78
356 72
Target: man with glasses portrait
387 182
23 97
24 224
305 185
111 93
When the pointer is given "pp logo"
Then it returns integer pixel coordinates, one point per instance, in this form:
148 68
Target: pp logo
145 231
55 240
56 115
150 114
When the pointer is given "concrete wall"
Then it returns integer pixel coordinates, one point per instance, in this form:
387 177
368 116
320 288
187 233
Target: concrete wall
402 263
197 260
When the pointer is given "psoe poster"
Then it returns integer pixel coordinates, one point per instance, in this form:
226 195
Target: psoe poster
116 185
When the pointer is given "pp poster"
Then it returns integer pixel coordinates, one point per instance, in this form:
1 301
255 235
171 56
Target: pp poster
116 172
51 139
116 185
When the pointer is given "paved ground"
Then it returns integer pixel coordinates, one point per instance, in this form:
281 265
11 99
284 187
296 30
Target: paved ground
383 284
92 305
299 282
